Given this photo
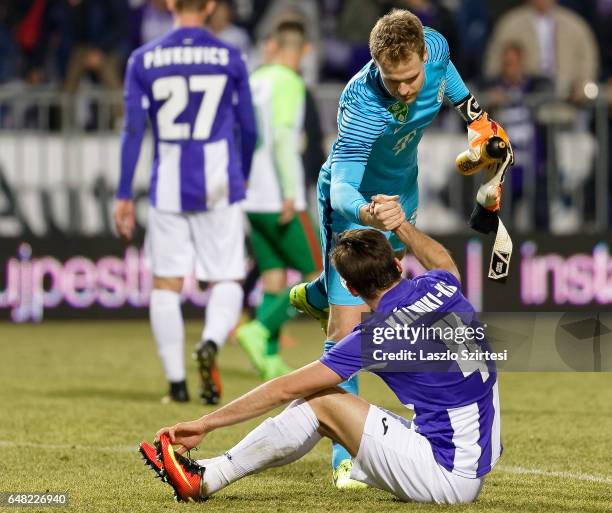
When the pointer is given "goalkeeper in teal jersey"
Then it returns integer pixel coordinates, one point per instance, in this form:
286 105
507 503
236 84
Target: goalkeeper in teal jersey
382 115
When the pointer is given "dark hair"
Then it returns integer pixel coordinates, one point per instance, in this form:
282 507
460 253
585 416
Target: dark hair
365 259
395 36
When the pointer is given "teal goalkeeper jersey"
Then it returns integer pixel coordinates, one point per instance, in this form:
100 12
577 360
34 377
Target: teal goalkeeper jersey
376 148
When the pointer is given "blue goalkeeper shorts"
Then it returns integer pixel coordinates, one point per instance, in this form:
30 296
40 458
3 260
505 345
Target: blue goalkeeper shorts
333 225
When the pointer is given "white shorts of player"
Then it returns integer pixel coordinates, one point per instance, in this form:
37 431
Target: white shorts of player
213 240
394 457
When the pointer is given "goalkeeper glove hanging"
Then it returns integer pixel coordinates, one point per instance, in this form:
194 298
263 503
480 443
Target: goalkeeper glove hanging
488 144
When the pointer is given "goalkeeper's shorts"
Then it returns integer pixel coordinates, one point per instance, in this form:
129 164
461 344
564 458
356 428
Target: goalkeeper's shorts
332 226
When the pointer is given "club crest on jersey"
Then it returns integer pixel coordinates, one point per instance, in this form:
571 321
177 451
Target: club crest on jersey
399 111
441 90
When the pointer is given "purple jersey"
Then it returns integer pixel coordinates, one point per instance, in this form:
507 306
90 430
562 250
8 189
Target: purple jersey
457 409
195 90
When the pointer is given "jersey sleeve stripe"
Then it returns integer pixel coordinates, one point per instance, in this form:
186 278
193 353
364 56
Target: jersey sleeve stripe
437 46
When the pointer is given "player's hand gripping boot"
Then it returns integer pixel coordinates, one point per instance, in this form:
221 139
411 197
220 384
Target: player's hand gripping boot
183 474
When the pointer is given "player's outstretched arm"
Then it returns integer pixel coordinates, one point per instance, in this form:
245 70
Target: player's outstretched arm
429 252
301 383
360 124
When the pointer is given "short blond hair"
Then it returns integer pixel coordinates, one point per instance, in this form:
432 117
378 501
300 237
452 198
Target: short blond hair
395 36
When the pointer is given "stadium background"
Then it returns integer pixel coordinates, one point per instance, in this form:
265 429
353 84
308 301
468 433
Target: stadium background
61 67
77 392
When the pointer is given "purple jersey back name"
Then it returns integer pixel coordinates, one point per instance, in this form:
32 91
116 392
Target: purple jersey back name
195 91
455 408
186 55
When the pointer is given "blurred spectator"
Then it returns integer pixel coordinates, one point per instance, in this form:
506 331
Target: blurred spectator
506 96
347 51
500 7
604 17
558 43
585 8
473 22
41 39
29 35
247 14
514 83
221 24
357 17
156 20
24 33
98 31
434 14
8 46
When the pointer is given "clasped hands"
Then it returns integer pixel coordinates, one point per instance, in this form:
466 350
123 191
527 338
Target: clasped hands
385 212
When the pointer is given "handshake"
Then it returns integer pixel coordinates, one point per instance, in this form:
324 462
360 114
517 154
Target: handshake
383 213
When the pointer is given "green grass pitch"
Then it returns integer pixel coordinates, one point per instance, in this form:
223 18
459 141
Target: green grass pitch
77 397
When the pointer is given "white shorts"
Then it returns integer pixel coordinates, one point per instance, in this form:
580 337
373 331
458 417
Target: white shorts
215 238
394 457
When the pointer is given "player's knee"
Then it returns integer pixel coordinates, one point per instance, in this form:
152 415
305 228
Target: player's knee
324 402
172 284
274 281
340 325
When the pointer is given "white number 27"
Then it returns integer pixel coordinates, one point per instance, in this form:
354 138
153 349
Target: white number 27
175 90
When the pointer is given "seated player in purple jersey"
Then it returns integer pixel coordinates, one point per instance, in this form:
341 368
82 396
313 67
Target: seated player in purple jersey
442 455
194 89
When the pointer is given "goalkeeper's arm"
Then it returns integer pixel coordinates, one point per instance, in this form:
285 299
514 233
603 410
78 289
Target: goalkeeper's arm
429 252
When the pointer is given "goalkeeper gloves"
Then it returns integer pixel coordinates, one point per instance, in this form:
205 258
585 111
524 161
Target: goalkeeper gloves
487 141
490 148
497 153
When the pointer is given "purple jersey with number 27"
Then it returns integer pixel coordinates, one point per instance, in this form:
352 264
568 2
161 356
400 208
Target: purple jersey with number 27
195 90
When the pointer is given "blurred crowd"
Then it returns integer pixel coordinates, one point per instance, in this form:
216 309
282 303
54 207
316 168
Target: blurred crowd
60 41
511 52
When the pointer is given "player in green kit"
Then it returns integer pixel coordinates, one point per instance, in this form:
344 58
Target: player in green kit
282 234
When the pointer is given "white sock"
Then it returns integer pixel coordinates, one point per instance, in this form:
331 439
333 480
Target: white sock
223 311
211 462
169 332
276 441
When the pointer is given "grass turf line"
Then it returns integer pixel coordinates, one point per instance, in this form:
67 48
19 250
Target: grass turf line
98 384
